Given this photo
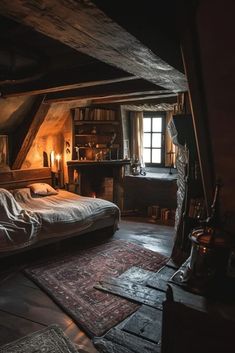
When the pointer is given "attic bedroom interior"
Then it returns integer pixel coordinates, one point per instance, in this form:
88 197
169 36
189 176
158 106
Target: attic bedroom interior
117 201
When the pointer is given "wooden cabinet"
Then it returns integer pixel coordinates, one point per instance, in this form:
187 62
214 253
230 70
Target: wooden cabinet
97 134
195 324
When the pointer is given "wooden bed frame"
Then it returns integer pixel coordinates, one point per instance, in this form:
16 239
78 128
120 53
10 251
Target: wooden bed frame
20 178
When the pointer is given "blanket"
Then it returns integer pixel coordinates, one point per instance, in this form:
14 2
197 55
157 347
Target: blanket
18 227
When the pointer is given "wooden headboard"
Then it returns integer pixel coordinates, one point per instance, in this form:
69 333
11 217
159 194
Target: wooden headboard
20 178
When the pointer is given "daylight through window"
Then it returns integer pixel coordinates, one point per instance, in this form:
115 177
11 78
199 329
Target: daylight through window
153 139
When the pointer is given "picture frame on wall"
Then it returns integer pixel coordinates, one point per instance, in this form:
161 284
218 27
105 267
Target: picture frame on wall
4 155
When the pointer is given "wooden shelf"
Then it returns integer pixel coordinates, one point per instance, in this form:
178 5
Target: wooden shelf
108 129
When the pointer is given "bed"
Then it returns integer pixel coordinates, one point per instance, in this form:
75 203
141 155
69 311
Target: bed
33 213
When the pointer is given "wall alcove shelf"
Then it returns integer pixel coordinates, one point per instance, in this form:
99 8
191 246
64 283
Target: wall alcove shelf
97 134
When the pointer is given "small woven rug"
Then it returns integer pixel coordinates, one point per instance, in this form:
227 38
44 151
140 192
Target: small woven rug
69 280
49 340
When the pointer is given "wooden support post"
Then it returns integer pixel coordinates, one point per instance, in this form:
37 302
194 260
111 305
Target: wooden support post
190 52
23 137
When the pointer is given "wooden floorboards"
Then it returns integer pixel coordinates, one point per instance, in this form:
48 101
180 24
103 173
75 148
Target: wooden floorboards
25 308
145 323
135 292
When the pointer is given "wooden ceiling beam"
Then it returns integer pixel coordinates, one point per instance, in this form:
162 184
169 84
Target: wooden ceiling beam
84 27
88 76
105 96
125 99
129 88
85 103
23 138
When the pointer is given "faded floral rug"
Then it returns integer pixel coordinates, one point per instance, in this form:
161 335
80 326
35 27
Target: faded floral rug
49 340
69 280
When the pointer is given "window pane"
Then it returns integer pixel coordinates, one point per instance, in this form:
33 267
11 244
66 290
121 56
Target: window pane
156 140
147 124
156 155
147 155
157 124
147 140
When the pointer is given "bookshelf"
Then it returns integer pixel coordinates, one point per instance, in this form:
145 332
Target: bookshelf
97 134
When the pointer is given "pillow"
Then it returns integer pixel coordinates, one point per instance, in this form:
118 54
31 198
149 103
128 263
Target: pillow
42 189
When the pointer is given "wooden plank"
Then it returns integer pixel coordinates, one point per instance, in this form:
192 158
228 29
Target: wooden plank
127 99
24 137
191 54
115 89
80 339
22 177
159 100
136 275
145 101
7 274
89 76
31 304
20 279
132 342
13 327
160 279
146 323
106 346
106 97
135 292
82 26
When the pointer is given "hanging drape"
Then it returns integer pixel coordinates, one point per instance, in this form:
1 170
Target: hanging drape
170 148
136 119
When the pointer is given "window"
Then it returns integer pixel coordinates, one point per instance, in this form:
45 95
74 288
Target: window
153 141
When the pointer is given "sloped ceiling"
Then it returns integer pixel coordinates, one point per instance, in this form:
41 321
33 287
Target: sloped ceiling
79 42
13 111
85 52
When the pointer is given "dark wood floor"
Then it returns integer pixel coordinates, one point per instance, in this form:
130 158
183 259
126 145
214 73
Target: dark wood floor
25 308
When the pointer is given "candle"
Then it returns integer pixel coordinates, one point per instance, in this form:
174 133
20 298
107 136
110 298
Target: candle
58 159
52 161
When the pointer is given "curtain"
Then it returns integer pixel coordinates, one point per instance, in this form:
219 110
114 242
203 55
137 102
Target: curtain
137 135
170 148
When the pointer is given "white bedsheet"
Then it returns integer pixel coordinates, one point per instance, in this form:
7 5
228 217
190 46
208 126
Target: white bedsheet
66 212
18 227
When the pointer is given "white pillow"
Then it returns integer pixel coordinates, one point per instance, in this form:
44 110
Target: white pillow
42 189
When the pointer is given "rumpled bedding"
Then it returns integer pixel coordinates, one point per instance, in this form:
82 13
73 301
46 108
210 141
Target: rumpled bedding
65 213
18 227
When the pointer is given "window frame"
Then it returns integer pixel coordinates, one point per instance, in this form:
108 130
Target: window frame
163 132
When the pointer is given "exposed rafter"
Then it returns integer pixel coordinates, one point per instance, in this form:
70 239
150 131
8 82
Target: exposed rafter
160 107
88 76
125 99
23 138
82 26
130 88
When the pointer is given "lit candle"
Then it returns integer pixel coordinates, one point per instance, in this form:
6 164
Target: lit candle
58 158
52 161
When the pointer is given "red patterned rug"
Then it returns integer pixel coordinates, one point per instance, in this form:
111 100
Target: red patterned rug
69 280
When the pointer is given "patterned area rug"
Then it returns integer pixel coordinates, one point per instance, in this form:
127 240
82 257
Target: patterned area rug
49 340
69 280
